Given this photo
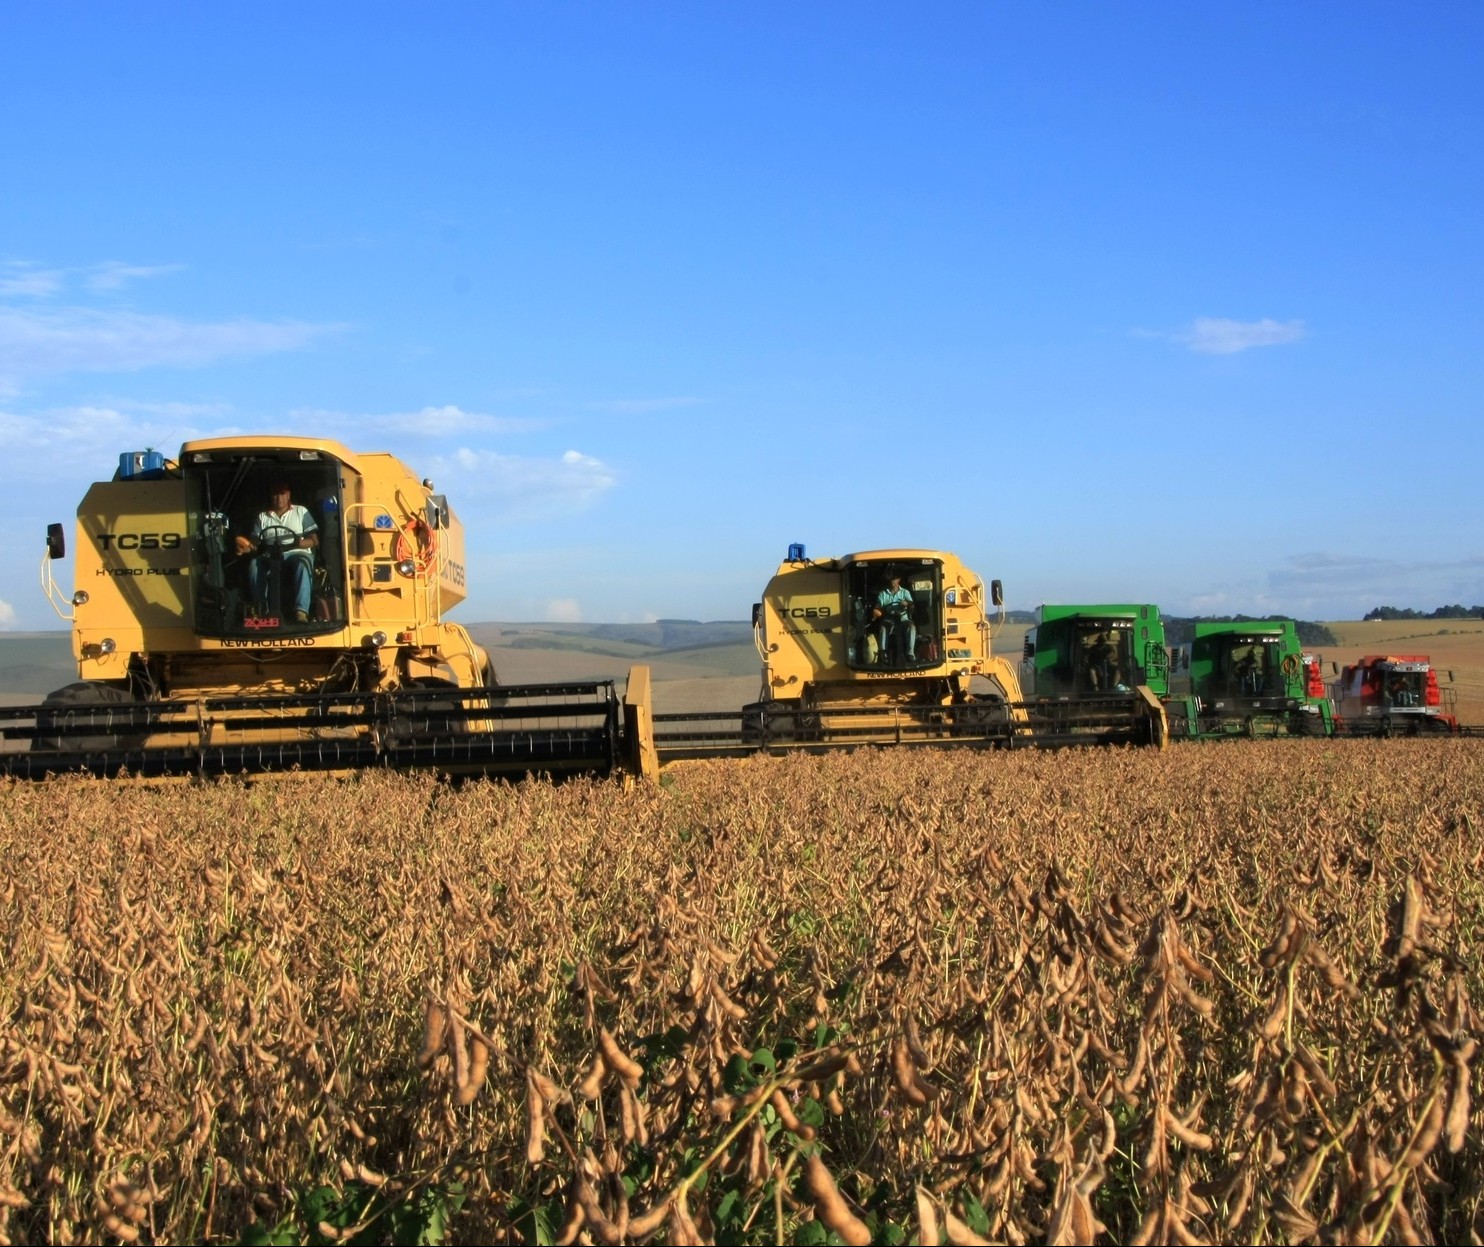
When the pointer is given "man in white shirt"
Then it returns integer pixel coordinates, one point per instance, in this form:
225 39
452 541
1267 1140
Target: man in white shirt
284 536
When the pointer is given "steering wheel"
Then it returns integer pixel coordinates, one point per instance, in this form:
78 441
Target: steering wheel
276 538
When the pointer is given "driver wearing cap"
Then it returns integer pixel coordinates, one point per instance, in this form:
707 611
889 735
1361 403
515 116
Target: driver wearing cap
284 536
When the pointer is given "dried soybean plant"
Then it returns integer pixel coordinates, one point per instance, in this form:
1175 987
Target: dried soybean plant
1219 994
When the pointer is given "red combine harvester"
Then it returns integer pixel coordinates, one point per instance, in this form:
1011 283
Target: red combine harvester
1392 695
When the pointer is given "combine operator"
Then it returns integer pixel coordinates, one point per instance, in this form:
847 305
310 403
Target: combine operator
281 573
896 633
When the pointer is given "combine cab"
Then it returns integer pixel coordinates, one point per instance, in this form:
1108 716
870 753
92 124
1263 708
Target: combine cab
1248 679
1393 696
882 647
267 604
1096 671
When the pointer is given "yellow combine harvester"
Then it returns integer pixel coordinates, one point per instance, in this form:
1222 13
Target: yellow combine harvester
273 603
889 647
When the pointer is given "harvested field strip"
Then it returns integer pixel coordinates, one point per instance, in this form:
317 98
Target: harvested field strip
1221 993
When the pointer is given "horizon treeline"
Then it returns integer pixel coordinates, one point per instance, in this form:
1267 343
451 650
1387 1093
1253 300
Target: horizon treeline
1442 612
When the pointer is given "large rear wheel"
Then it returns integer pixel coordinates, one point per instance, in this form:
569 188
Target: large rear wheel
985 711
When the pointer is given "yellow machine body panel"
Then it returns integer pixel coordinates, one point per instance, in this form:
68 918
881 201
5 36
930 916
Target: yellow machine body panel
166 595
133 566
389 491
880 627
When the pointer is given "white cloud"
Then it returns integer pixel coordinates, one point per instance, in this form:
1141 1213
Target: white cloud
1382 581
1323 585
23 278
448 420
74 339
79 441
115 274
1210 335
7 615
576 459
515 487
563 610
19 278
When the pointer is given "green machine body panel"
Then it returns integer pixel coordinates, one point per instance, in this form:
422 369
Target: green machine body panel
1249 678
1096 650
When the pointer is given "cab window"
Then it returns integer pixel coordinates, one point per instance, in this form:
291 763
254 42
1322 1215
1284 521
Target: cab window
267 545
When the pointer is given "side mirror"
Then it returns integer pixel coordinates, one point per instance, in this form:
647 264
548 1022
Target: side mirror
757 613
996 593
56 542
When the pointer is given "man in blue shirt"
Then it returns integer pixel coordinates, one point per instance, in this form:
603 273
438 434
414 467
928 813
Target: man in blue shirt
893 618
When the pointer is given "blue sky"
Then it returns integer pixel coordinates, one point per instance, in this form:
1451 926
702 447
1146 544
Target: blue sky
1169 302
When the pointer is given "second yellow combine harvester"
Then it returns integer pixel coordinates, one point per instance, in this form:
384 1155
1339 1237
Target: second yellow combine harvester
276 603
891 647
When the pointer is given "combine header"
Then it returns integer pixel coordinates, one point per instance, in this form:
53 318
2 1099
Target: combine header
1248 679
889 647
271 604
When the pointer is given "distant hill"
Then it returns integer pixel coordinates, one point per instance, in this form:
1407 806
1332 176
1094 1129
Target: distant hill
35 662
668 634
661 634
673 649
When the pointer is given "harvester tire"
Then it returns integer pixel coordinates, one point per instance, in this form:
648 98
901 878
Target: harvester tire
987 716
81 695
767 723
754 719
1310 725
489 678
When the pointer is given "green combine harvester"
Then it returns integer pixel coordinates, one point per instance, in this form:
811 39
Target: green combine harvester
1088 667
1232 679
1250 678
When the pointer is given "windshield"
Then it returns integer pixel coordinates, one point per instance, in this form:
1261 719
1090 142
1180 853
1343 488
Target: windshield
1102 656
895 615
267 544
1249 668
1404 688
